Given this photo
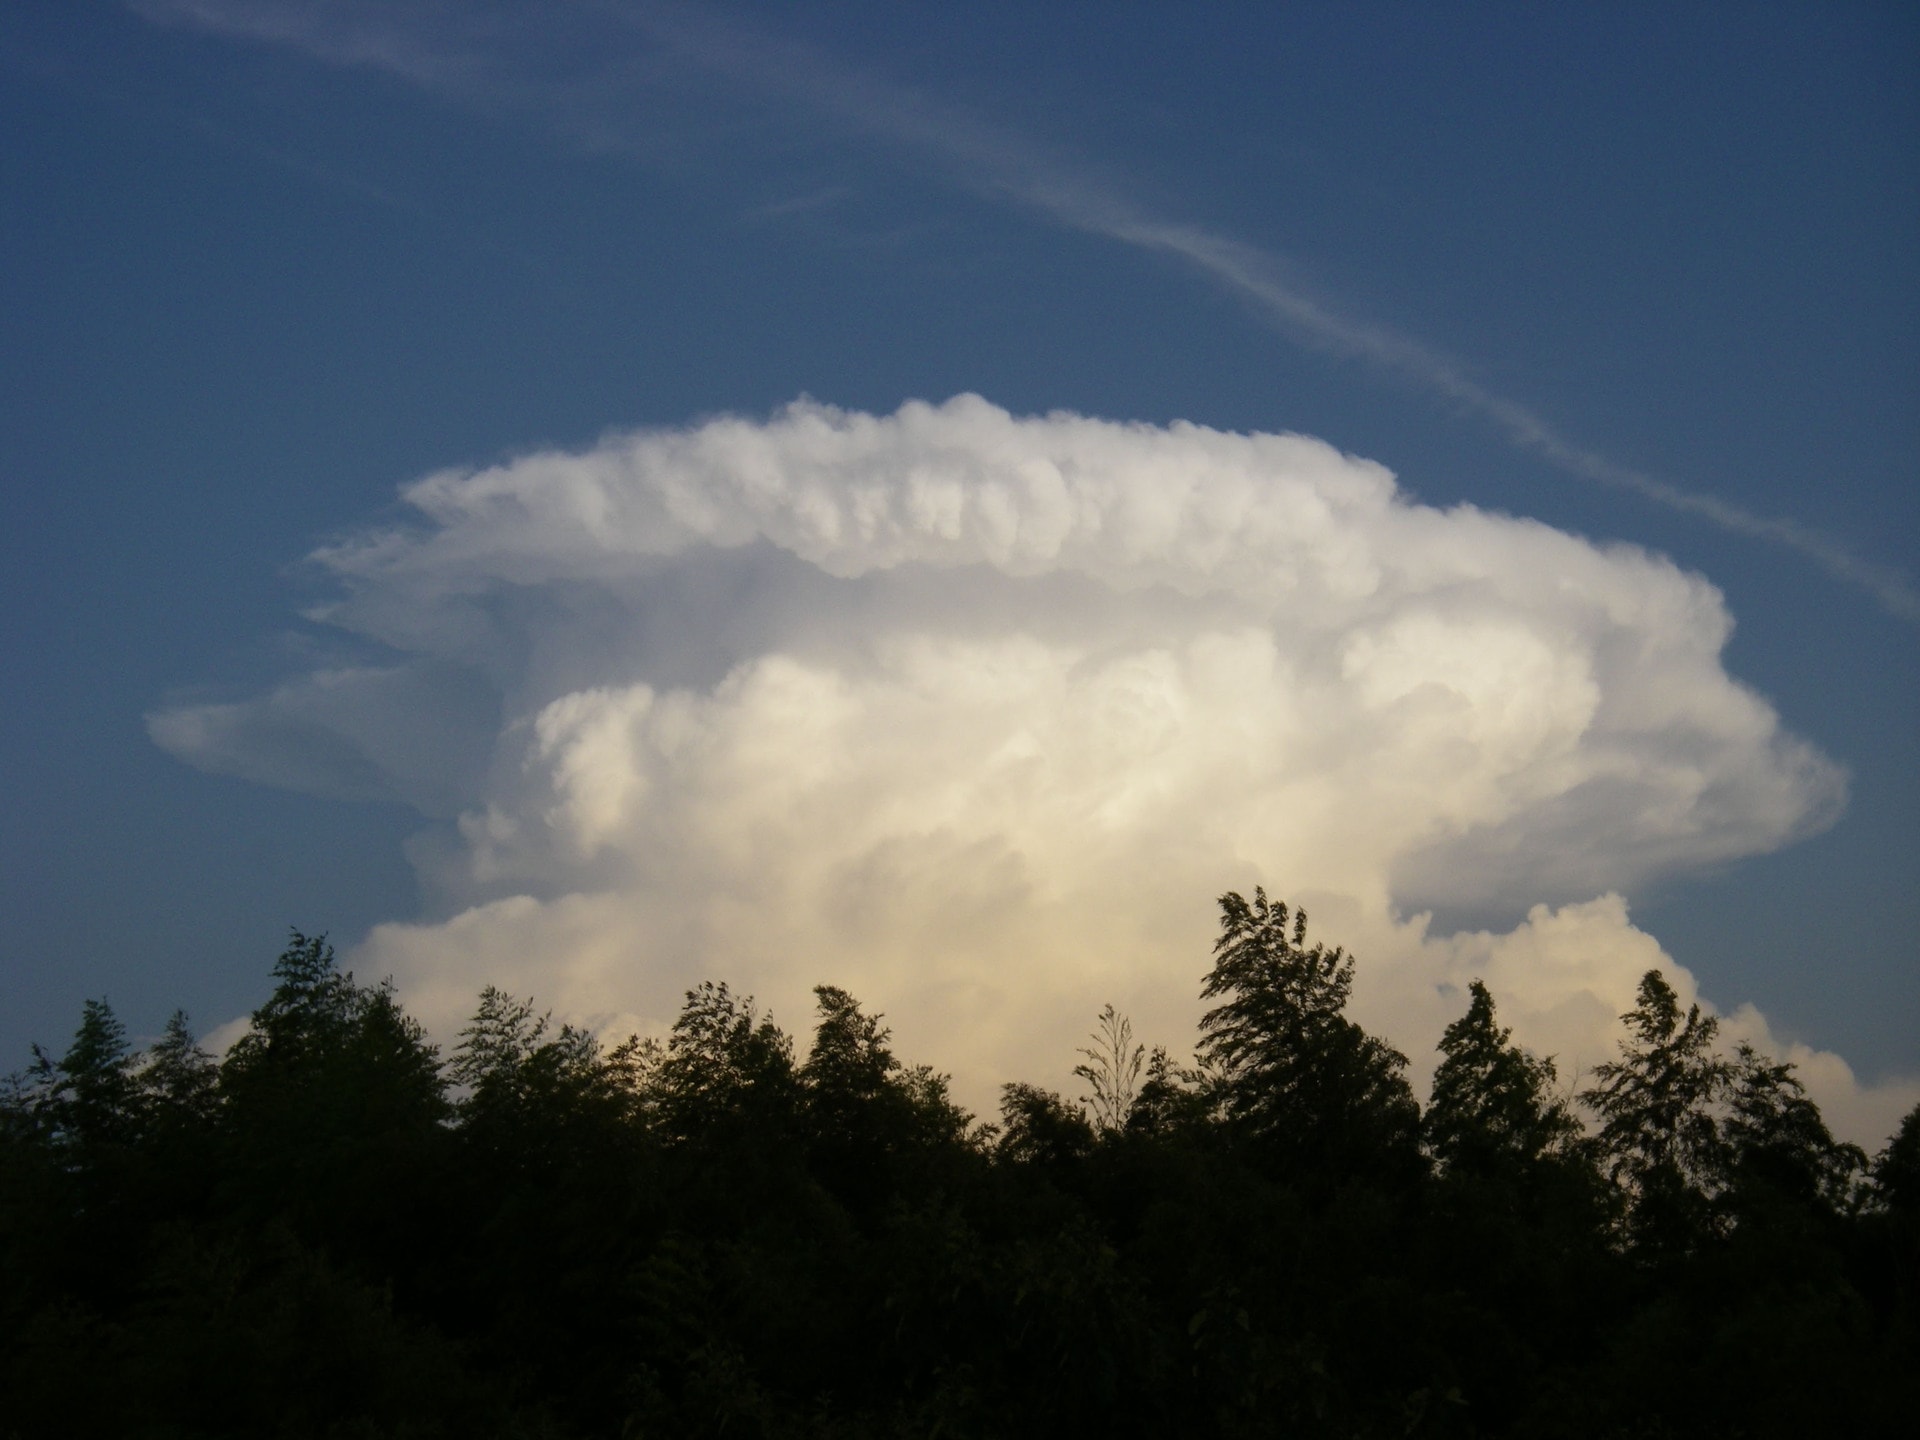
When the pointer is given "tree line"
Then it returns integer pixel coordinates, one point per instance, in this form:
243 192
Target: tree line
337 1230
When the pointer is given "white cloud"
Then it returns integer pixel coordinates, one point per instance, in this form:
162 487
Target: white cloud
975 715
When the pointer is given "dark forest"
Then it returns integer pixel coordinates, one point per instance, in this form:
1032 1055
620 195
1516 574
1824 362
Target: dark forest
338 1230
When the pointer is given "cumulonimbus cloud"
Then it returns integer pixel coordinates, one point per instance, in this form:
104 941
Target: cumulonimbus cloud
975 714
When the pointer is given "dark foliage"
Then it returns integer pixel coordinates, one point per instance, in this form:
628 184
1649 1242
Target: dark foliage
331 1232
1659 1130
1312 1094
1493 1110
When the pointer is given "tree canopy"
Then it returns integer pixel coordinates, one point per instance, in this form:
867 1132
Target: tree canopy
1493 1104
1304 1084
333 1231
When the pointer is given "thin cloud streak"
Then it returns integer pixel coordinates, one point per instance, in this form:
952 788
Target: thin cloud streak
998 164
1078 201
1239 268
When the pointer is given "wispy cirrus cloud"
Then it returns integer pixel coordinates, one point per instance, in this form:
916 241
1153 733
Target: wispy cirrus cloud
598 72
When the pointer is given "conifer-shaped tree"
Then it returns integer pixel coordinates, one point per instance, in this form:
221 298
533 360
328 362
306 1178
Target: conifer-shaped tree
1659 1126
88 1096
850 1064
1493 1107
334 1105
178 1079
347 1056
857 1117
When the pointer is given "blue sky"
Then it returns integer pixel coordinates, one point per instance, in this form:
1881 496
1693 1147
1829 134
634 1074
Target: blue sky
1641 276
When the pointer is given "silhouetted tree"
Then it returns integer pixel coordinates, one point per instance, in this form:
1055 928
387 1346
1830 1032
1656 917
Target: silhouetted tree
343 1055
1658 1126
1111 1069
496 1043
849 1065
1037 1127
178 1079
180 1122
858 1119
700 1238
1294 1075
88 1096
1896 1169
1171 1099
335 1110
553 1144
727 1072
1776 1139
1493 1105
535 1091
